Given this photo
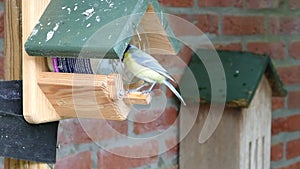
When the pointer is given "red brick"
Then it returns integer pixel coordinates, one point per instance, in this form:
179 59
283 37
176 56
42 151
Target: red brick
275 49
122 157
1 24
1 68
77 161
293 123
177 3
293 149
277 152
278 103
220 3
229 46
289 75
154 120
170 94
294 50
294 100
292 166
89 130
243 25
262 4
207 23
294 4
278 125
180 61
285 25
185 54
187 25
286 124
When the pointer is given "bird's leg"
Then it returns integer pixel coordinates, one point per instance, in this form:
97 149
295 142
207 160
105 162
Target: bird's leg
138 88
150 89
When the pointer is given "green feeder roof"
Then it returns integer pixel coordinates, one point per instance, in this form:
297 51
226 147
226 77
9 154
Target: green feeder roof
91 28
243 72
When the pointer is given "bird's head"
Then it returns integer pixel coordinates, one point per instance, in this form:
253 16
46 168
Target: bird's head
126 50
128 47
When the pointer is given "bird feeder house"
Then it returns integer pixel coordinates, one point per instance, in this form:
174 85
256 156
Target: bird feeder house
243 138
85 29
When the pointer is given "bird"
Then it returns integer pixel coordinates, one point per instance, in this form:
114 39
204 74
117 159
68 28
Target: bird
147 68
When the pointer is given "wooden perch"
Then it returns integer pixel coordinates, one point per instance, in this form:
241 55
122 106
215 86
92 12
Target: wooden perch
137 98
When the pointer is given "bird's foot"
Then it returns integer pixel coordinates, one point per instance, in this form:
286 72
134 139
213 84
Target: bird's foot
149 90
146 91
137 89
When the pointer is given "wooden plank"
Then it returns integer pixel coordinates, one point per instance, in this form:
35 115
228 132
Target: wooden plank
221 149
32 67
21 164
13 40
85 95
255 136
138 98
159 42
89 95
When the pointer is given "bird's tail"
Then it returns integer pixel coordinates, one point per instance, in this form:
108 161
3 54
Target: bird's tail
172 88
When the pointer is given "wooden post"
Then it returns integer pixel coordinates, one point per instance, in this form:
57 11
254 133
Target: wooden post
21 164
13 66
13 40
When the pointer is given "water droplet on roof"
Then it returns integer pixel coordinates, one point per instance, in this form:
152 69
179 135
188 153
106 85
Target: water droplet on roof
49 35
89 13
69 10
98 19
56 27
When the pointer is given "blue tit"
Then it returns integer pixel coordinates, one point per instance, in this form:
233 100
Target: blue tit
145 67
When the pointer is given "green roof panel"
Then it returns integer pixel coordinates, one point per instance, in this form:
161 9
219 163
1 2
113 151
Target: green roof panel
88 28
243 71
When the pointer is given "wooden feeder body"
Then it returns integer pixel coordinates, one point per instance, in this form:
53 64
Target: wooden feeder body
243 138
50 96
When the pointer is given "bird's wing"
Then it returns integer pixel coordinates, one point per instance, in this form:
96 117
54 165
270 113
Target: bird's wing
148 61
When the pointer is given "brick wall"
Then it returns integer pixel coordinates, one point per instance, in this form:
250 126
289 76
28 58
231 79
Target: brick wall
260 26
